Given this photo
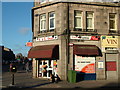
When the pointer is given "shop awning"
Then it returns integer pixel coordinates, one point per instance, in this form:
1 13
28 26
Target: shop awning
46 51
85 50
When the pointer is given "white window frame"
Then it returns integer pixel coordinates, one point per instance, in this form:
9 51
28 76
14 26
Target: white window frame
42 22
78 17
53 21
43 1
90 18
51 0
113 29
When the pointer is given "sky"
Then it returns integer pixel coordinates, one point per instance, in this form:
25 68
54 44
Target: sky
16 26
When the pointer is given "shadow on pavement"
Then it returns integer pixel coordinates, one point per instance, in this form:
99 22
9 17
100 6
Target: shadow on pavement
111 86
29 87
107 86
37 85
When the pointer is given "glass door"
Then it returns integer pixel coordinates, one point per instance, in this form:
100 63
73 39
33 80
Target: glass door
42 70
45 68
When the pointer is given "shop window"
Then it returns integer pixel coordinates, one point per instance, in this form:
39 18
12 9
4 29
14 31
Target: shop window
42 23
78 20
51 21
90 21
112 23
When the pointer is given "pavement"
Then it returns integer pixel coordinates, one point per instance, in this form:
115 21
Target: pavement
24 80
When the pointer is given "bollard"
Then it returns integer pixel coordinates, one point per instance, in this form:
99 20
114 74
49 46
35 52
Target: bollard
13 70
13 79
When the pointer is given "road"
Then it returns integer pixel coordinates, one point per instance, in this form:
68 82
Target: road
25 80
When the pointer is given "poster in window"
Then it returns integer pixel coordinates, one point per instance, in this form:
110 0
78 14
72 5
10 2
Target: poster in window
85 64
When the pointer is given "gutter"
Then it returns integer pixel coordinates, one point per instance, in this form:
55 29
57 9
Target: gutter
105 4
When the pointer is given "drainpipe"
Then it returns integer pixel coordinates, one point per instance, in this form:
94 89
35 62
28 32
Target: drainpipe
67 40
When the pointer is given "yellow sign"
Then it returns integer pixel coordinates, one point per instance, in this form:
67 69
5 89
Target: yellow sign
110 41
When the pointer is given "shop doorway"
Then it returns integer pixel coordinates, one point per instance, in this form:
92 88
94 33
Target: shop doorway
46 67
85 67
111 66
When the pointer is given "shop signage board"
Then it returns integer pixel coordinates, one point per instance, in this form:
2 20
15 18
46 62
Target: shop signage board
100 65
46 38
29 44
84 37
110 42
85 64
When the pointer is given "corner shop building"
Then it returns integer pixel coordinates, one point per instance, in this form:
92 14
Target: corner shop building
81 50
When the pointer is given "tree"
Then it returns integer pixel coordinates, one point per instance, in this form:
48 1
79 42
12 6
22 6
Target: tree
19 56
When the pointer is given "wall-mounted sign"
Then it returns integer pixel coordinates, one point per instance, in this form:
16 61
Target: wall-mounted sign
71 44
84 37
109 41
100 65
46 38
29 44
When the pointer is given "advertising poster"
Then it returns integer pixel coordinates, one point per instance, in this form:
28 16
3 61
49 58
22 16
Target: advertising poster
100 65
85 64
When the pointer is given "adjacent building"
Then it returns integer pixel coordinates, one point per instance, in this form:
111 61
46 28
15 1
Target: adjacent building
79 36
7 54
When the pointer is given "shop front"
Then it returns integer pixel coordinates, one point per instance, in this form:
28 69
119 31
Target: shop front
85 61
46 57
47 67
110 46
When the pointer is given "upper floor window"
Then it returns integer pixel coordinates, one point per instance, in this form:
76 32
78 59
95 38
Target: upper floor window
112 22
51 21
42 1
51 0
78 20
90 20
43 23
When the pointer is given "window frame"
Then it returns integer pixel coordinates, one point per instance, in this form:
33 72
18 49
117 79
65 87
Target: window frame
43 22
43 1
115 19
91 28
51 29
75 19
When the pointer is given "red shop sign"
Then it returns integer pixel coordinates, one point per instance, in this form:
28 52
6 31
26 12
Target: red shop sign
95 38
29 44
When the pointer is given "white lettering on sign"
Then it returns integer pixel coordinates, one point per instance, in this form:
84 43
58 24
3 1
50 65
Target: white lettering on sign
47 38
84 37
81 37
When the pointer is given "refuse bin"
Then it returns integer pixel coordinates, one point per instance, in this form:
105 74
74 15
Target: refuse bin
71 76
